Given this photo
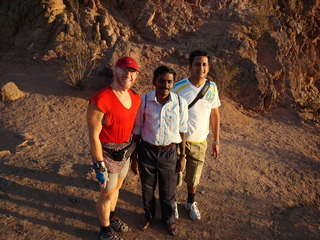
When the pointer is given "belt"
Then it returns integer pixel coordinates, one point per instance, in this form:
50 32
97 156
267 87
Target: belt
160 147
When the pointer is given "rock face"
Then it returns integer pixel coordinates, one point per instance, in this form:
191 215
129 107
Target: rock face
10 92
275 44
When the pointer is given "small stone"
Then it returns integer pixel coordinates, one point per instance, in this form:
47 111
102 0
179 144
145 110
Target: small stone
10 92
4 153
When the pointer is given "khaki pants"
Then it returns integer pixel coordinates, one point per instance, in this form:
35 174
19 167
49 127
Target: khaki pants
196 153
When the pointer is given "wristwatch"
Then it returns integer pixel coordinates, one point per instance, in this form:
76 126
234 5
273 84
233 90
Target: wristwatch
100 165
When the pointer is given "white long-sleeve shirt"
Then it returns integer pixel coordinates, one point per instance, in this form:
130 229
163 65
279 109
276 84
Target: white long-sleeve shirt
160 124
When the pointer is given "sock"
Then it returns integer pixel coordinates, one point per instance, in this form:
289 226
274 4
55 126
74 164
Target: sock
191 197
112 214
105 229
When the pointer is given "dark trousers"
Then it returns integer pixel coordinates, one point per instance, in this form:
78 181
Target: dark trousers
158 165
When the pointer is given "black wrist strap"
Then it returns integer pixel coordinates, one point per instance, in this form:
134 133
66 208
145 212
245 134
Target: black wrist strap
200 94
99 165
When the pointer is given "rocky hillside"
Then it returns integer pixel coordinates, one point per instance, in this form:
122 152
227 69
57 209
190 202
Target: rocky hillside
265 53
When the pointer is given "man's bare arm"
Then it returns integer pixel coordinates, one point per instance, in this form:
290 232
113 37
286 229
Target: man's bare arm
215 126
94 120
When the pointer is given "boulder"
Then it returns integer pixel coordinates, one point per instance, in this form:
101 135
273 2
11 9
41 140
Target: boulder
10 92
269 54
146 18
120 49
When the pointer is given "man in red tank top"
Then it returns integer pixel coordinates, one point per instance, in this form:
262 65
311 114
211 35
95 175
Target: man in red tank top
110 116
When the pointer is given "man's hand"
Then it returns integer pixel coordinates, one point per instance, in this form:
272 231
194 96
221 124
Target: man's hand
134 163
215 150
102 177
181 163
135 167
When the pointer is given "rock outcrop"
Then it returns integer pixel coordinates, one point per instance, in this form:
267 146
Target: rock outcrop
275 44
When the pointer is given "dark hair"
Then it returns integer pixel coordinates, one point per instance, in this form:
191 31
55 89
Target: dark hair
196 54
162 70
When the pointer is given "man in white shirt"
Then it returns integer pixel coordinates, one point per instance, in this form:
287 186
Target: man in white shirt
203 113
161 123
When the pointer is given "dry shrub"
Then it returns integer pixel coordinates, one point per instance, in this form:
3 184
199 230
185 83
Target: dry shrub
224 73
80 53
313 104
80 60
261 11
291 6
260 21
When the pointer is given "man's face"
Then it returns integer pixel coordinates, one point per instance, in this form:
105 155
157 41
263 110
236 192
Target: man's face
164 84
125 77
199 67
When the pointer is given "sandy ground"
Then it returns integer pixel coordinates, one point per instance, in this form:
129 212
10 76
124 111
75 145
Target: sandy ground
264 185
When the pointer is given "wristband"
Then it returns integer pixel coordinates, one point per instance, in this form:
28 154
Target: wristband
216 143
100 165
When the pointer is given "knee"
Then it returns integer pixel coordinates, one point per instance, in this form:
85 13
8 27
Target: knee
105 197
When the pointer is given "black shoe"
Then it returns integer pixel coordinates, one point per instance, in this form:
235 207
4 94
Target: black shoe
118 225
172 230
108 236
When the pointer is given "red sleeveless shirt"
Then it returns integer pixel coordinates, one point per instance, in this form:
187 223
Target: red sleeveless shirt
120 119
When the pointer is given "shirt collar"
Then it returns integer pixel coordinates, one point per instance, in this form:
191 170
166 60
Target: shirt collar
152 96
188 80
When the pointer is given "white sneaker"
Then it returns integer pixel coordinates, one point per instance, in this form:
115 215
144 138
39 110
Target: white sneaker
176 213
194 211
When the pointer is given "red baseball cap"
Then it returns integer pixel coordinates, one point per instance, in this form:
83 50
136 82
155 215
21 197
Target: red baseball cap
127 62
